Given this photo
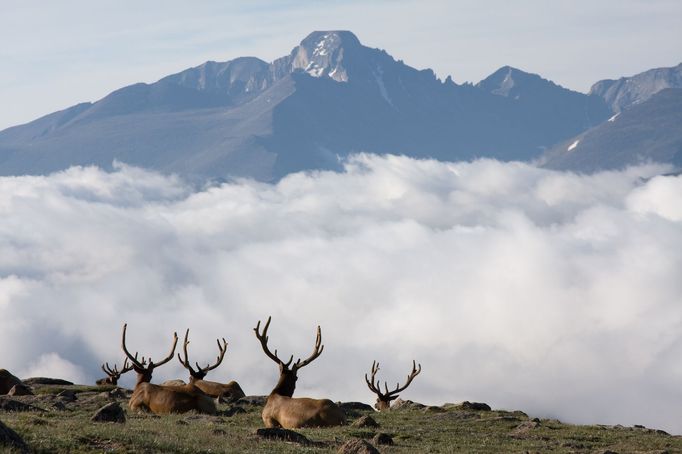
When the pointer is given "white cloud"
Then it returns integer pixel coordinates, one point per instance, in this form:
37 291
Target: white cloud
554 293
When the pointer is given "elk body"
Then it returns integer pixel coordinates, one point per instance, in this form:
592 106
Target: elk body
384 399
164 399
228 391
283 410
113 374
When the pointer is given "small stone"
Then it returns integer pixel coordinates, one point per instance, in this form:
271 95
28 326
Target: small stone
20 390
276 433
110 413
14 405
476 406
118 393
523 429
59 406
357 446
365 421
67 395
382 439
401 404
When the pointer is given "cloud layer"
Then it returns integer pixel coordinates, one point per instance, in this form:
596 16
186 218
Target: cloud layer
549 292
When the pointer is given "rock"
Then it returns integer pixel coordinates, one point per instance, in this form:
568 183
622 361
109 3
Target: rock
7 381
400 404
59 406
356 406
357 446
110 413
20 390
382 439
252 400
433 409
365 421
523 429
275 433
355 409
46 381
10 439
67 395
476 406
119 393
14 405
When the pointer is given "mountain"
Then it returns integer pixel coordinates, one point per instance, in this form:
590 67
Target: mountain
548 109
647 131
329 97
627 91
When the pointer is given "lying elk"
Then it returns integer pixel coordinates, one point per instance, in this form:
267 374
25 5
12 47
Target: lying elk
164 399
113 374
230 391
384 399
282 410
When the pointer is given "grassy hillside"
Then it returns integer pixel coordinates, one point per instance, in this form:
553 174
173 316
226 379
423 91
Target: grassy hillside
59 424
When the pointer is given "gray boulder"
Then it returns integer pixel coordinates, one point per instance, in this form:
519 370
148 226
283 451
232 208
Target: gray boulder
110 413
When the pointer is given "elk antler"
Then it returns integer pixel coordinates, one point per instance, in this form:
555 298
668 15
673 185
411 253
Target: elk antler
317 351
263 338
390 395
115 372
202 371
144 364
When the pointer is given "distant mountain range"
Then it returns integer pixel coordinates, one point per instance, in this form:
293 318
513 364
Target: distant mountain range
331 96
646 126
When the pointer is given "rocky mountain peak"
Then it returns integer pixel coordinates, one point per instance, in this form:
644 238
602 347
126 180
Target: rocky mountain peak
322 54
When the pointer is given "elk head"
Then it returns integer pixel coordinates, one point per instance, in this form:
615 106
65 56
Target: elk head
384 399
144 368
287 375
114 374
201 372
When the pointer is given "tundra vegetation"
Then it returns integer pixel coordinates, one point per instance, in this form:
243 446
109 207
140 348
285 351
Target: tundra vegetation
56 416
50 423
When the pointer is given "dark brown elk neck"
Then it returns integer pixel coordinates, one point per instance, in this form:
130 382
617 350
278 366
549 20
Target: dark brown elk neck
286 384
143 376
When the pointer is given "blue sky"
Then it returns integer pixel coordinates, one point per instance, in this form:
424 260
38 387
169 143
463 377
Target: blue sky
56 54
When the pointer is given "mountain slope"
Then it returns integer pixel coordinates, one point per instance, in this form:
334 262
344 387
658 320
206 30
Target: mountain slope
627 91
329 97
648 131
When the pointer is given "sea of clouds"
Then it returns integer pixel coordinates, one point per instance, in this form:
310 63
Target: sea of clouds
553 293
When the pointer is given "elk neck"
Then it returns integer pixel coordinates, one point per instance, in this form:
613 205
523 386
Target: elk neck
286 384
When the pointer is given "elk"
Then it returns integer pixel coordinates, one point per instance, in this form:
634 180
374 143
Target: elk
163 399
230 391
384 399
283 410
113 374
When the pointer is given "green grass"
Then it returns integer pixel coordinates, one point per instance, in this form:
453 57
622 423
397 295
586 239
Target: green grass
434 430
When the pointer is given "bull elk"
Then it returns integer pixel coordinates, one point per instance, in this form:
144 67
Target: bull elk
229 391
283 410
384 399
163 399
113 374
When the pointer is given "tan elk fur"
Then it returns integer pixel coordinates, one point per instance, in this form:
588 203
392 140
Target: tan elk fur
164 399
283 410
230 391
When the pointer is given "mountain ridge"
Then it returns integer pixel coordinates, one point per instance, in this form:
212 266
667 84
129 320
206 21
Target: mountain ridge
330 96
